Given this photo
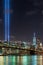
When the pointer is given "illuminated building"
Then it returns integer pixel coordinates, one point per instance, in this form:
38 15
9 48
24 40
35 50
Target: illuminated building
34 40
40 45
7 19
25 44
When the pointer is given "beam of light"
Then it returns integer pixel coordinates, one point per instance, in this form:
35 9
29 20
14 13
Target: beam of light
7 19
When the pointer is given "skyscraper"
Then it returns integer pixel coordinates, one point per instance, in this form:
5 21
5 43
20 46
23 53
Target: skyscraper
34 39
7 19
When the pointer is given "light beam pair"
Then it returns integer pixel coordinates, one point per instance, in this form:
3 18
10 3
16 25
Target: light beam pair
7 19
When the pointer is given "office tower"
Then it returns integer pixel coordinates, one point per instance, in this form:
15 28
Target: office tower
34 40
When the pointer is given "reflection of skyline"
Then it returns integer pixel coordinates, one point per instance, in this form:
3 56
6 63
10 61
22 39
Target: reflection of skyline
40 60
24 60
21 60
34 60
1 60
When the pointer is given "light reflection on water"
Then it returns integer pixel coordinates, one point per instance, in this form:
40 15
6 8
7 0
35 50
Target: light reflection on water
21 60
34 60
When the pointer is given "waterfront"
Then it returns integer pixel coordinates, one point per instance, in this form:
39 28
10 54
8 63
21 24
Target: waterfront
21 60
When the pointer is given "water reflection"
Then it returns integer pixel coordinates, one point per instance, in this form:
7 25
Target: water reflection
24 60
21 60
40 60
34 60
1 60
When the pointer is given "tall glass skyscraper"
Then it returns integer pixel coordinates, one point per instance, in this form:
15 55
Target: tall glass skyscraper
34 39
7 19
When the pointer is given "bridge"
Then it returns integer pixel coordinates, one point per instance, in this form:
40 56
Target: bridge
9 49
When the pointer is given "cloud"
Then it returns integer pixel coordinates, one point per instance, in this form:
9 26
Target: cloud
12 36
0 21
31 12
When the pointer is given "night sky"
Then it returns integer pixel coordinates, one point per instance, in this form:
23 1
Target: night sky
25 19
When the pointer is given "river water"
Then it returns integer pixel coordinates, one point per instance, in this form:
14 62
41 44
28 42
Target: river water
21 60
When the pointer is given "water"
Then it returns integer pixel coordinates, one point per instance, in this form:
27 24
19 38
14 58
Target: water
21 60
